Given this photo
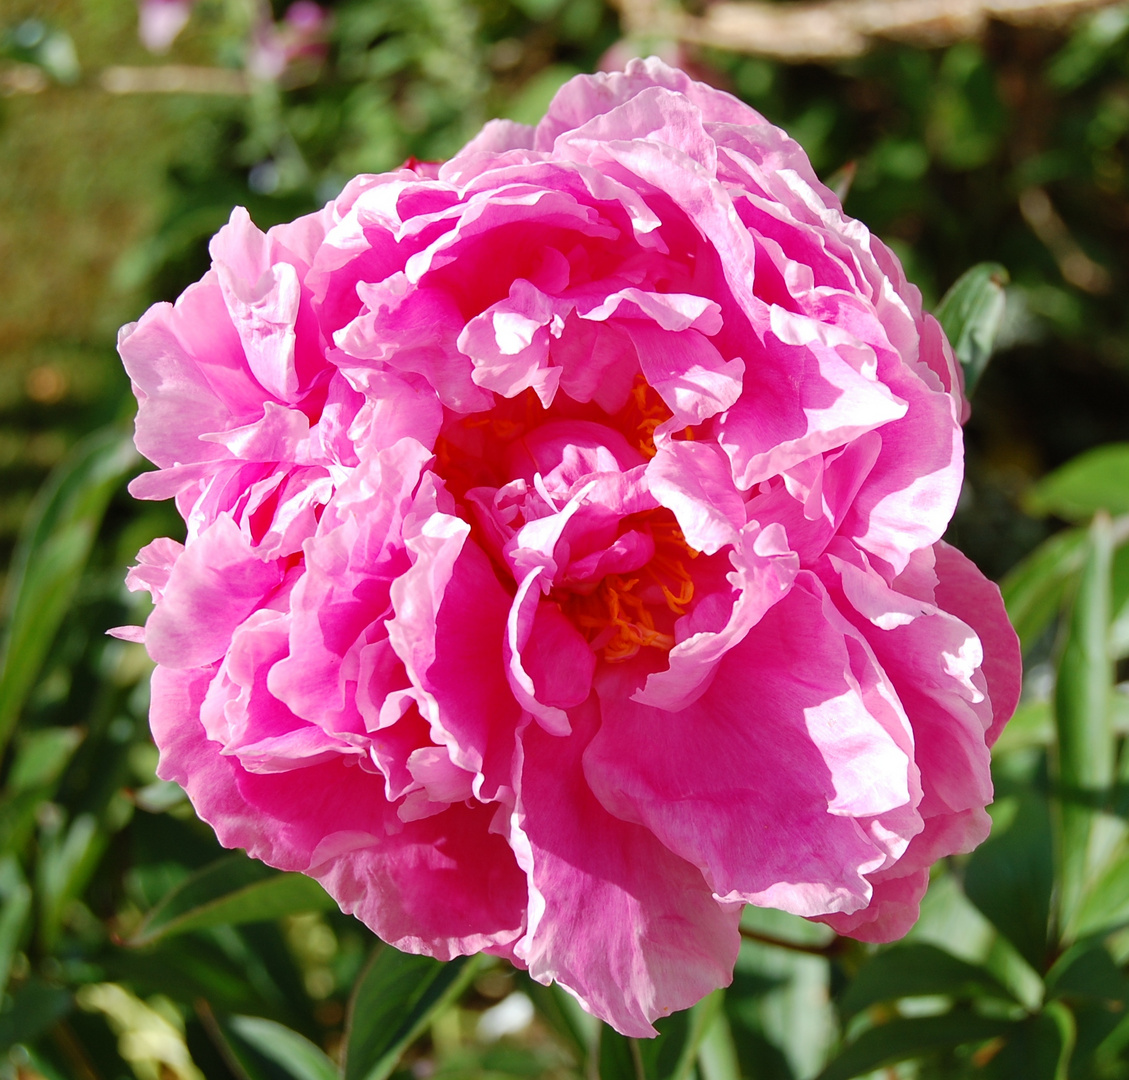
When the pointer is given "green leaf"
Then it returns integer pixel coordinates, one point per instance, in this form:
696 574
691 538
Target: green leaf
42 756
1087 971
1085 759
562 1012
51 552
1010 877
1034 590
912 1037
917 971
1032 724
16 896
671 1055
1093 481
1038 1048
34 1009
620 1058
65 865
1119 624
971 314
538 9
295 1053
39 761
231 891
394 1000
717 1056
1091 44
1106 902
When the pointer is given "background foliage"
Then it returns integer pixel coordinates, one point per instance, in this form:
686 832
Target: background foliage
132 946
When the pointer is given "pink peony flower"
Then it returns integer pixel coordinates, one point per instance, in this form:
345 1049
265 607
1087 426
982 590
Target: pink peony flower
563 565
159 22
275 46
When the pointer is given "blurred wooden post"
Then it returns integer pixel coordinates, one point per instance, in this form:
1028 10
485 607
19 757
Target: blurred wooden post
823 30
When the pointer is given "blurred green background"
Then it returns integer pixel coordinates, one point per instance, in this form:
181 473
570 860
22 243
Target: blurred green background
131 945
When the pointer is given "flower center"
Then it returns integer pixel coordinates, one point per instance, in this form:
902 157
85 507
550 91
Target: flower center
626 613
650 410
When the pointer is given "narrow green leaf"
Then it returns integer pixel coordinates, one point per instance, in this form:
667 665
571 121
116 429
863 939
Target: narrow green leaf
917 971
1119 607
1034 590
1010 878
562 1012
294 1053
38 764
15 894
620 1058
17 818
65 865
41 757
912 1037
394 1000
971 314
671 1055
701 1017
50 554
1085 759
228 892
1093 481
1111 1048
717 1056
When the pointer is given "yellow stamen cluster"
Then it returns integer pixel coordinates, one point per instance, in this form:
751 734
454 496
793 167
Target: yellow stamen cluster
625 614
618 618
651 410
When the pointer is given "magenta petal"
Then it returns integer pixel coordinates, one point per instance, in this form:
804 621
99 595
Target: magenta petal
519 629
764 780
558 659
214 585
763 571
154 565
809 394
691 376
694 480
628 928
444 886
509 343
971 597
589 96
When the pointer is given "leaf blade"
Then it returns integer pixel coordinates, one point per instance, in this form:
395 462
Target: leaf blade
1035 589
291 1051
1085 761
917 971
910 1037
971 314
230 891
395 998
1093 481
52 550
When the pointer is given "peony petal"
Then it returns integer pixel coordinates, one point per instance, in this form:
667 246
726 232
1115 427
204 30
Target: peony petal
760 781
621 923
214 585
445 886
972 598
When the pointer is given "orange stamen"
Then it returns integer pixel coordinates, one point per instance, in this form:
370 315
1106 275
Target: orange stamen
617 620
